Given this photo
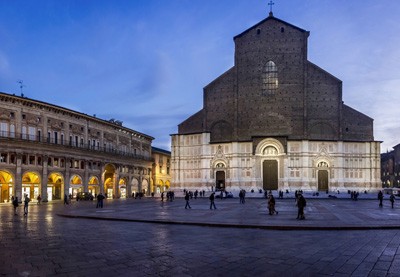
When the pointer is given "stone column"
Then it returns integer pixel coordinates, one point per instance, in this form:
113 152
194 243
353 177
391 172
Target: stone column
129 186
116 183
67 176
140 179
102 179
18 178
86 178
44 180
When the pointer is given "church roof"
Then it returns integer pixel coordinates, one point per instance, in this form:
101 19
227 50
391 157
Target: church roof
270 17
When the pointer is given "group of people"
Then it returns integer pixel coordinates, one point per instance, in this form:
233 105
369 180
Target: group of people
391 199
15 203
300 202
170 196
211 197
354 195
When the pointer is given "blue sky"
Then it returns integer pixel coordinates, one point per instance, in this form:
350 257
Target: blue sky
145 62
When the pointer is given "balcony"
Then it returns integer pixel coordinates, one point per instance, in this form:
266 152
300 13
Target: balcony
42 140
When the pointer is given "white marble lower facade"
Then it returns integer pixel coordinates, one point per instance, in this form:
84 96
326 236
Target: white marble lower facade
269 165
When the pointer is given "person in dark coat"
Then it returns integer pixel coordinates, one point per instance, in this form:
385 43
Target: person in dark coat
15 204
392 200
187 197
301 204
212 203
100 199
380 198
26 204
271 205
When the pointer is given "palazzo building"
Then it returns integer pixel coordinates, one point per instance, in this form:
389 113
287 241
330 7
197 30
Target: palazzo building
390 168
275 121
53 151
161 171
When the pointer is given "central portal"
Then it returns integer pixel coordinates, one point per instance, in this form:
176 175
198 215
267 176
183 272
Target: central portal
220 180
270 175
322 180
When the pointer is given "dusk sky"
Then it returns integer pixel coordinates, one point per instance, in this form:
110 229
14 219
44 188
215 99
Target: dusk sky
145 62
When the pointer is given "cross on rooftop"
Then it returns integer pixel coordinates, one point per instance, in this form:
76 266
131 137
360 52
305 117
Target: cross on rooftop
270 6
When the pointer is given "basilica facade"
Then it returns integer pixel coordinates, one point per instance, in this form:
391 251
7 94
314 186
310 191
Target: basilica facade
52 151
275 121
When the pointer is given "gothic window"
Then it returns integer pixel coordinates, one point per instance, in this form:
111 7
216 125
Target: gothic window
270 78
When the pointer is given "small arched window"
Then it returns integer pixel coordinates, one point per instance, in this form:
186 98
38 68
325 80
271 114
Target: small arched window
270 78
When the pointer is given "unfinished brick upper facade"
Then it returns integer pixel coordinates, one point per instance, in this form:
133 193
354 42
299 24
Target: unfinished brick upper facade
307 103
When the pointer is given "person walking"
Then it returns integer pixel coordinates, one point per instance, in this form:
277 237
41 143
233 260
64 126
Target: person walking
162 196
212 203
15 204
380 198
271 205
39 199
301 204
392 198
26 202
187 197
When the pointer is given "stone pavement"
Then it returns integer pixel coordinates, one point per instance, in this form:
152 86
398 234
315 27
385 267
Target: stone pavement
45 244
321 214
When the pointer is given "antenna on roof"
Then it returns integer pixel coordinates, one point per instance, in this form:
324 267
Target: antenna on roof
21 86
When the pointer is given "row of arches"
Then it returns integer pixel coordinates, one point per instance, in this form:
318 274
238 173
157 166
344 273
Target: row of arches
57 187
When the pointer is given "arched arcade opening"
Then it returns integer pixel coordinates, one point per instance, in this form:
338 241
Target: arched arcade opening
6 186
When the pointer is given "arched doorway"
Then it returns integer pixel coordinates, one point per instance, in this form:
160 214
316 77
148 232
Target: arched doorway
109 175
75 185
160 186
145 185
220 180
94 187
134 186
6 186
55 186
323 176
31 185
122 187
167 185
220 176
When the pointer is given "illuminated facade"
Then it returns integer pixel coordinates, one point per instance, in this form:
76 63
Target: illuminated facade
275 121
52 151
161 171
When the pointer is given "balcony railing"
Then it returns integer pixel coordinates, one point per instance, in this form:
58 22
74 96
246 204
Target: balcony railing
69 143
